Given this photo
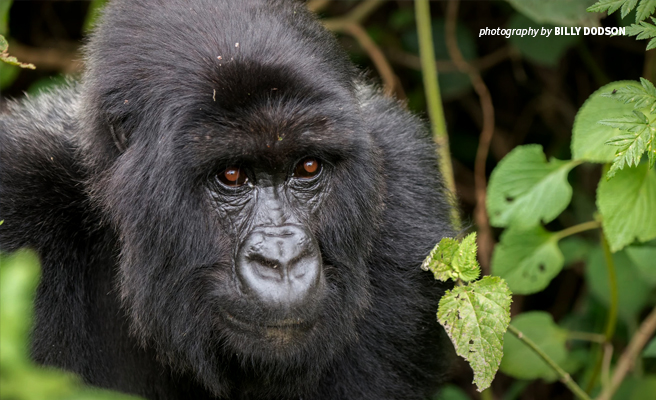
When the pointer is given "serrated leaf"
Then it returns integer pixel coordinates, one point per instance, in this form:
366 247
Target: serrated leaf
519 361
588 136
631 147
643 30
528 259
451 259
632 291
640 96
440 259
525 189
645 9
609 6
476 317
627 205
464 260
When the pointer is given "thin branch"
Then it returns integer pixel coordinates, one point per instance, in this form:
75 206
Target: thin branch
565 378
485 238
357 15
412 61
434 100
390 80
573 230
628 357
586 336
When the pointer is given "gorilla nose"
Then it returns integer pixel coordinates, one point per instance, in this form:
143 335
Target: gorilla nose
281 266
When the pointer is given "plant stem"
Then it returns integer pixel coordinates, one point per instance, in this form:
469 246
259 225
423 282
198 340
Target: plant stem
587 336
565 378
434 101
628 358
611 319
573 230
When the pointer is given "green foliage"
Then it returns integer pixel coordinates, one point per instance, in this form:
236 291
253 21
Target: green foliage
633 292
611 6
5 5
588 136
643 96
452 260
645 9
557 12
644 30
644 259
5 57
525 188
650 349
519 361
20 379
475 317
540 49
627 206
528 259
451 392
95 7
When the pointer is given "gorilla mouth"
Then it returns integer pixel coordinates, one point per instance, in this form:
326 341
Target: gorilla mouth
287 327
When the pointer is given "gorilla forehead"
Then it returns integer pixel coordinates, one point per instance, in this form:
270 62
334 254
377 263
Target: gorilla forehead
231 49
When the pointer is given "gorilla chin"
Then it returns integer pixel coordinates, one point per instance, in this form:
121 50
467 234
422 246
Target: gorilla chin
225 208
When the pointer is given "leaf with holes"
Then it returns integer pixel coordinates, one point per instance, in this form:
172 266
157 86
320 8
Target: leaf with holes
476 317
525 188
528 259
627 205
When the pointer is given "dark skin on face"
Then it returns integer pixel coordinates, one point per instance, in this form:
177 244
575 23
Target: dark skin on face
278 262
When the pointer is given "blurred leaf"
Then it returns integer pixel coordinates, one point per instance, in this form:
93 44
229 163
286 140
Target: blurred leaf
610 6
402 18
540 49
528 259
644 259
451 392
46 83
519 361
574 249
452 84
8 74
557 12
525 189
475 317
93 12
633 292
650 349
627 206
5 6
588 136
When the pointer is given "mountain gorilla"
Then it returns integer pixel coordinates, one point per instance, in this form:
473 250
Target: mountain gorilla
225 209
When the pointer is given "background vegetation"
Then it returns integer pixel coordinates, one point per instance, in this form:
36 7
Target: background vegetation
498 93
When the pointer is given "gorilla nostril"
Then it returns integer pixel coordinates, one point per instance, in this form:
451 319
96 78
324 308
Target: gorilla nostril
284 268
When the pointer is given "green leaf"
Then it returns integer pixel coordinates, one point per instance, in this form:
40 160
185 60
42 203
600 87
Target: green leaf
475 317
632 146
540 49
528 259
644 259
643 30
519 361
627 205
588 136
613 5
641 96
650 349
574 249
452 260
451 392
645 9
632 291
440 259
5 5
525 189
464 260
557 12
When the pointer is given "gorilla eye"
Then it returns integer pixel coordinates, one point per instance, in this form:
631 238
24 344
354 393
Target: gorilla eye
233 177
308 168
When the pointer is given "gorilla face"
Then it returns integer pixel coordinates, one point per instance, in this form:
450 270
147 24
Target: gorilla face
260 190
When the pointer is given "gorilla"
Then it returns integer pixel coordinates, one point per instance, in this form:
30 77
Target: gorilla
224 208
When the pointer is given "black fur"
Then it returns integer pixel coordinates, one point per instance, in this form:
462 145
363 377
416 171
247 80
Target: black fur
109 180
